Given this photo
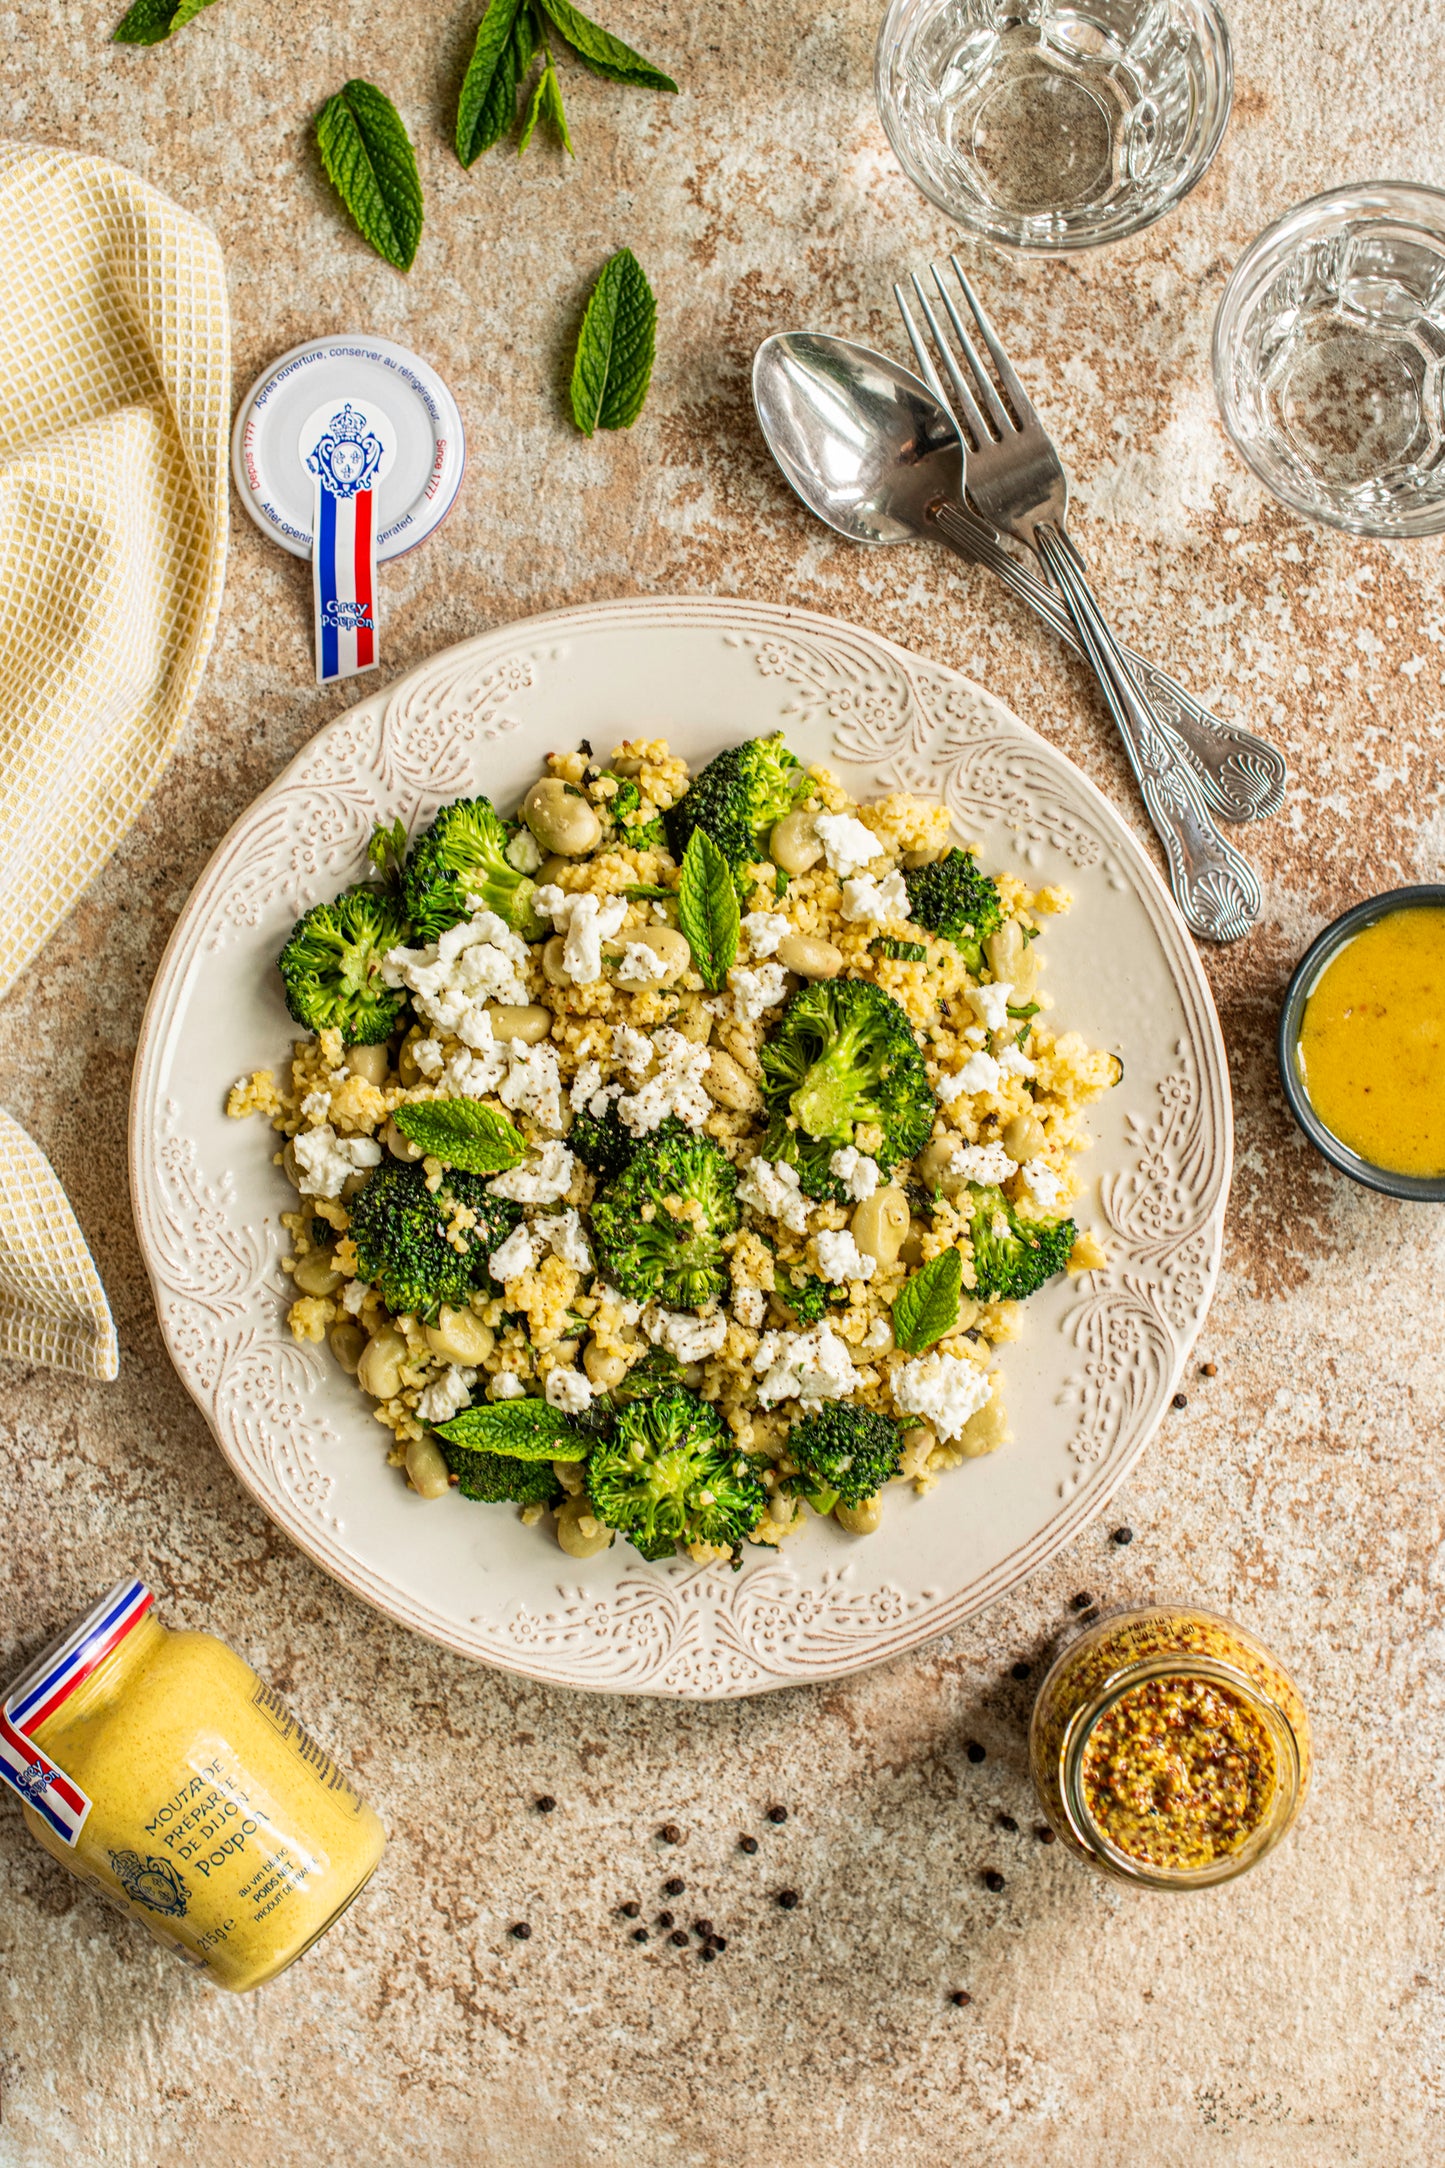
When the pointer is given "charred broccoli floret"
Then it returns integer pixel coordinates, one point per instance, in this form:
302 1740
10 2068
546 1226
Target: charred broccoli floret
843 1055
497 1479
738 799
464 853
399 1228
954 898
659 1225
1012 1257
649 835
671 1474
605 1144
846 1450
331 966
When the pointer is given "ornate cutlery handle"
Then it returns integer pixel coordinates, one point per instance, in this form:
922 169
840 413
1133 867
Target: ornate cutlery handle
1242 777
1216 891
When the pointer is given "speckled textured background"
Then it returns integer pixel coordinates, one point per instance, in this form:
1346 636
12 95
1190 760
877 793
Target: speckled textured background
1294 2018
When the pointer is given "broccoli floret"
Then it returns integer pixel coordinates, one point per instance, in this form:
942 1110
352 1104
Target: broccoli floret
672 1474
464 853
954 898
656 1371
398 1227
646 1251
843 1054
1013 1257
642 835
739 798
497 1479
605 1144
846 1449
804 1293
331 966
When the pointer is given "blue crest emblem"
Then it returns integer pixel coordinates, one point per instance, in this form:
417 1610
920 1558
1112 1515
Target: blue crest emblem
33 1781
346 457
151 1882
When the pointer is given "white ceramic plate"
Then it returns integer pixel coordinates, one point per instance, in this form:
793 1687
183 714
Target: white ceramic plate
1098 1358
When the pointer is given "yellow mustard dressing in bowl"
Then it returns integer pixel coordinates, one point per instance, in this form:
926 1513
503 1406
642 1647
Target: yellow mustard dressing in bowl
1372 1043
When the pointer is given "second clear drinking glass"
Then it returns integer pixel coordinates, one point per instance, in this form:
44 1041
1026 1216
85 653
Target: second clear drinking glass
1054 127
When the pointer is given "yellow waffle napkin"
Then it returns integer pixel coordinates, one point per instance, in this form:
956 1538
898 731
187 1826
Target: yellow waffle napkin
114 402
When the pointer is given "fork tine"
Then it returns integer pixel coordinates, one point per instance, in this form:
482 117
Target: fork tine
924 359
1023 406
1003 422
964 402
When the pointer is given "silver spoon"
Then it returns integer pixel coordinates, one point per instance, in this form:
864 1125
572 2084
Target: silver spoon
869 450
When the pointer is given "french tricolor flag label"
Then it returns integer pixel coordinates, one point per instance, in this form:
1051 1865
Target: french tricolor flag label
346 459
40 1692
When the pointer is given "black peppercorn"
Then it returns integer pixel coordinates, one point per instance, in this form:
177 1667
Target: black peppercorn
993 1880
1181 1400
522 1931
631 1909
674 1886
703 1928
1083 1601
679 1937
1123 1536
707 1956
747 1844
1021 1671
1006 1821
975 1752
670 1833
1044 1834
640 1934
719 1942
777 1814
665 1919
546 1804
960 1998
788 1899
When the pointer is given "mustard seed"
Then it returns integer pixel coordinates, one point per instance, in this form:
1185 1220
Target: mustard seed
1044 1834
1209 1370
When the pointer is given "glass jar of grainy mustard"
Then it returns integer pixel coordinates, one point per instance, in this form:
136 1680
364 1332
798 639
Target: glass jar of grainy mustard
1169 1748
159 1769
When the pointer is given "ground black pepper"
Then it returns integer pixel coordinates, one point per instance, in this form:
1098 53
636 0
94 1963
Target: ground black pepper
522 1931
1123 1536
993 1880
670 1833
546 1804
975 1752
777 1814
788 1899
631 1909
960 1998
674 1886
747 1844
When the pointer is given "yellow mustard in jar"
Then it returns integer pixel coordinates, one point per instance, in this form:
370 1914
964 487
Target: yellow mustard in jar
1169 1747
157 1767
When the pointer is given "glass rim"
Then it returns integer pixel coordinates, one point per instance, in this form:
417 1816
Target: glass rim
1217 47
1419 895
1284 1801
1384 198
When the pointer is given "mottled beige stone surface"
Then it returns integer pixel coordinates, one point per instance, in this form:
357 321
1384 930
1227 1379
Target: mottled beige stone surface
1294 2018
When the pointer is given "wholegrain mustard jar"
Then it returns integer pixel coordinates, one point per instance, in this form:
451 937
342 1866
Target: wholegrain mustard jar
1169 1748
159 1769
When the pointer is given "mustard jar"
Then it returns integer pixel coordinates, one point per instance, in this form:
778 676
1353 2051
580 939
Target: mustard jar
160 1770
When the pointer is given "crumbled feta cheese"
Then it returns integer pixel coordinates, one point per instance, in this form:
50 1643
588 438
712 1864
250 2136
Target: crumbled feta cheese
749 1306
326 1160
569 1390
469 1075
585 1087
429 1055
447 1395
675 1089
506 1385
807 1366
640 965
565 1239
944 1389
1044 1186
990 1003
524 851
453 979
1013 1061
878 1336
975 1035
840 1259
587 921
772 1188
353 1295
753 991
848 844
876 901
532 1084
316 1106
542 1180
516 1255
855 1170
980 1073
763 930
632 1051
691 1339
982 1163
629 1312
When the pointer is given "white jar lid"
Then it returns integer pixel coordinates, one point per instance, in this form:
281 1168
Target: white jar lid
418 480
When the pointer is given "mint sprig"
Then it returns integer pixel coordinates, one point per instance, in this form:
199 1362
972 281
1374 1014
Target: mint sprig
926 1306
547 105
612 367
462 1134
509 37
522 1429
707 908
150 22
370 163
604 54
487 105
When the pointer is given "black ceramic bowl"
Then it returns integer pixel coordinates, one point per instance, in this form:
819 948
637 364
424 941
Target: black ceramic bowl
1416 1188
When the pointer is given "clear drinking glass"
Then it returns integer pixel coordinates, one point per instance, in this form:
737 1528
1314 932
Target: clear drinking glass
1329 358
1054 127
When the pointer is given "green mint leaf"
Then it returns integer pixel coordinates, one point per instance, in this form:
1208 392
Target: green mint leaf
150 21
780 882
547 105
903 952
613 363
462 1134
522 1429
707 908
642 894
926 1306
370 163
487 106
604 54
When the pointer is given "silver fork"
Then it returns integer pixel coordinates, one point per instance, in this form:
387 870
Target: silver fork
1018 485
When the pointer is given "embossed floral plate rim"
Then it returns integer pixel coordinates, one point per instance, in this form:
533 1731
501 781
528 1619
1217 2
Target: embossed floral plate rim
1101 1357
